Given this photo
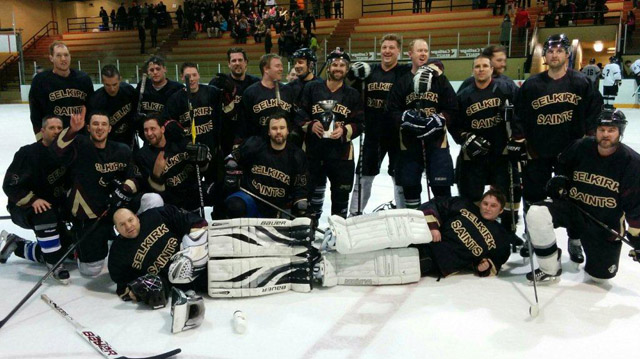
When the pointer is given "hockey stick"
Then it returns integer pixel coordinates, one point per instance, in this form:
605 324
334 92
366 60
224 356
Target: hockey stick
187 79
360 152
5 217
419 106
143 85
601 224
287 213
534 309
72 247
95 340
507 122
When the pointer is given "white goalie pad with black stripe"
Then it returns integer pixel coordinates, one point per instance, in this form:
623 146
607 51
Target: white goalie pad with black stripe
396 228
249 277
382 267
259 237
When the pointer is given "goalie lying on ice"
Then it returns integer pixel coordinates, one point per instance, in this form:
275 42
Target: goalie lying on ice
456 235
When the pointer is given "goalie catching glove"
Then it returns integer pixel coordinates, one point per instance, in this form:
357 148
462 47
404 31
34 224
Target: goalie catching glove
416 124
476 146
187 310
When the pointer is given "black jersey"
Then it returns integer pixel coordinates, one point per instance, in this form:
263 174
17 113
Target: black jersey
440 99
258 102
348 113
230 121
606 187
298 85
154 100
481 113
206 110
35 173
278 176
93 172
161 232
467 238
121 109
178 183
51 94
378 86
554 113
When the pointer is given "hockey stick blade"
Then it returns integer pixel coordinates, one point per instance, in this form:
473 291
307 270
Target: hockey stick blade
95 340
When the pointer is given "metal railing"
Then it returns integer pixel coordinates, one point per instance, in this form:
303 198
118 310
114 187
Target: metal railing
408 6
581 18
51 28
96 24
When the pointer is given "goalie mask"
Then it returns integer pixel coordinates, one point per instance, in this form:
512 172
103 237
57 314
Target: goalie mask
187 310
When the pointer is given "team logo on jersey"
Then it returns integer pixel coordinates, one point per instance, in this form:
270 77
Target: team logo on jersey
556 98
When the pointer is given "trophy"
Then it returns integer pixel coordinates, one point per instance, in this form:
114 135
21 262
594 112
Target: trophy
328 118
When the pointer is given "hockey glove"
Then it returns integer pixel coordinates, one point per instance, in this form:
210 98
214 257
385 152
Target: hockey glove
517 150
198 153
149 290
359 71
423 78
476 146
174 132
233 174
416 124
557 187
121 195
635 242
227 86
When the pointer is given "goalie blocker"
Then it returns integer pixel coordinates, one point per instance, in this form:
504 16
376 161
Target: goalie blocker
259 256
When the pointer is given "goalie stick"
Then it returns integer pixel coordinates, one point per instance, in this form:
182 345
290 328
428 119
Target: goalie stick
95 340
187 81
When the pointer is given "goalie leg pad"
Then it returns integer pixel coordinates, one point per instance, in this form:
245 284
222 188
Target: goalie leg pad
259 237
396 228
187 310
250 277
383 267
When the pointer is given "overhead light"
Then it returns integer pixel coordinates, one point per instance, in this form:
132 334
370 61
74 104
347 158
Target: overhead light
598 46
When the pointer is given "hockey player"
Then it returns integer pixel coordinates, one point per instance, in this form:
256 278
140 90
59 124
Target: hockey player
35 186
423 111
270 168
61 91
379 129
265 98
464 236
158 88
593 72
635 67
481 129
612 78
331 116
155 250
304 65
240 79
101 177
118 99
498 56
167 166
554 108
600 176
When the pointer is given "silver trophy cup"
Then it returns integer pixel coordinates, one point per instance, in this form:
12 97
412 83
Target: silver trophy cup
328 117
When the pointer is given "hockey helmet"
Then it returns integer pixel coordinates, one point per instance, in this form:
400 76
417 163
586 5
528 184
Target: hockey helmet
558 40
614 60
305 53
610 117
338 54
592 61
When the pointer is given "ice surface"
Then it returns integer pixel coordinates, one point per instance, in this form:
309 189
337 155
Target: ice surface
458 317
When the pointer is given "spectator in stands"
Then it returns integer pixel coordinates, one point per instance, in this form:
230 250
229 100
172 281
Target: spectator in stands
495 7
505 31
326 4
337 8
416 6
112 17
522 22
261 29
564 13
550 19
511 7
631 27
105 19
427 5
243 30
142 36
267 41
309 22
599 10
179 15
121 17
154 30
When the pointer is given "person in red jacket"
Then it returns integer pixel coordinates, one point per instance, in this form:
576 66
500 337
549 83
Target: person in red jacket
522 21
